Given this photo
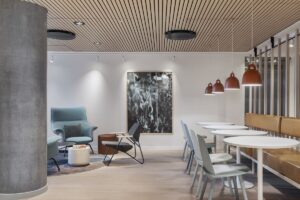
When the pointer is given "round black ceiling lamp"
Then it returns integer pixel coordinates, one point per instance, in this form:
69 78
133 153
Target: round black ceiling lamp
180 35
60 34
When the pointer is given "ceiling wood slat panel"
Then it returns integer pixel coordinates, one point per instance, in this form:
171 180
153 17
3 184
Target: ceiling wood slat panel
139 25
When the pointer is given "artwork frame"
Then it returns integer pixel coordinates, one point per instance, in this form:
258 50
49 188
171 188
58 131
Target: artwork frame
168 110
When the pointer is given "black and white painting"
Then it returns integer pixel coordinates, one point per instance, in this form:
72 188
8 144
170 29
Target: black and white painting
149 101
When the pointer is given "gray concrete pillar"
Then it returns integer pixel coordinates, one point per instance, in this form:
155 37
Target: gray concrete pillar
23 70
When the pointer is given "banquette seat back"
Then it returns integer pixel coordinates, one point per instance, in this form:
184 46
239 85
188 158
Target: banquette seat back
269 123
290 127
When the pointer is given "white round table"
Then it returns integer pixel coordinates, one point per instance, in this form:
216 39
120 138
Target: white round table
235 133
214 123
260 143
225 127
78 156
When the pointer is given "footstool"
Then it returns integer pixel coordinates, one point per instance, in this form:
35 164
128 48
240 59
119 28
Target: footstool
102 149
78 156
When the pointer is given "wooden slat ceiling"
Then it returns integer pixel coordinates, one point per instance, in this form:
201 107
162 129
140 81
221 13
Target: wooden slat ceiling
139 25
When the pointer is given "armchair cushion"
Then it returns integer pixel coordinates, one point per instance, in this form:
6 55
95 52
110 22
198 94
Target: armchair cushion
80 140
72 131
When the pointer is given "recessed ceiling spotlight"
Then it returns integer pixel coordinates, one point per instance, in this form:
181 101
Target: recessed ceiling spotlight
79 23
180 35
97 43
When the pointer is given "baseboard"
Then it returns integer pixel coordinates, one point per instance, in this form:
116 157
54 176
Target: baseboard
23 195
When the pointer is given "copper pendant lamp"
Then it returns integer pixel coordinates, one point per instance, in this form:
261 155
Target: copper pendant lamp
208 90
232 83
251 76
218 87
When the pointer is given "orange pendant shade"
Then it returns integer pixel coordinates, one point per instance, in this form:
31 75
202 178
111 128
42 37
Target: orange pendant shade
218 87
232 83
251 77
209 89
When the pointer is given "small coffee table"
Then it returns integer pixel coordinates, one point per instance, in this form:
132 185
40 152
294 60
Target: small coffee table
78 156
102 149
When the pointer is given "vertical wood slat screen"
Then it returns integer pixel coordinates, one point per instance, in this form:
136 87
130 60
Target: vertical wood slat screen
274 65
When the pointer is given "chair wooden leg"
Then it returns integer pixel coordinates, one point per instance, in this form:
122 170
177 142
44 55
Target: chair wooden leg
204 188
55 162
184 150
243 187
91 148
211 190
191 163
188 162
65 151
194 177
199 187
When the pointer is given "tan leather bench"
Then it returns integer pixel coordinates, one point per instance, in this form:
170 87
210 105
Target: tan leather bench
268 123
282 162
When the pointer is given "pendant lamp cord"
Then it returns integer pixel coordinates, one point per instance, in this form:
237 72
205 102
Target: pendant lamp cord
232 42
252 27
218 44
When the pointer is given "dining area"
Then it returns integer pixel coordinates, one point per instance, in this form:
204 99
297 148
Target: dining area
215 152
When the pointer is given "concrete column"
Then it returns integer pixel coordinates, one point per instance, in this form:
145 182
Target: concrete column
23 70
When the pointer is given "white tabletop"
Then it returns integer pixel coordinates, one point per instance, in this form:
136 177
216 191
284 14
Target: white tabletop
225 127
261 142
214 123
232 133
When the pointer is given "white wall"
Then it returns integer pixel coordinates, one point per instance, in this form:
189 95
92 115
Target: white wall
80 79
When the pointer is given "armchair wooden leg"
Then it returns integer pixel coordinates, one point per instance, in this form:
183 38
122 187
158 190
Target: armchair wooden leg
65 151
55 162
91 148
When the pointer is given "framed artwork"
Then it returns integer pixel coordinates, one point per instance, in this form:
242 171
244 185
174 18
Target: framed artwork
150 101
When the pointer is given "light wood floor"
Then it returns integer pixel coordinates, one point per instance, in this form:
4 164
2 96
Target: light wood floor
160 178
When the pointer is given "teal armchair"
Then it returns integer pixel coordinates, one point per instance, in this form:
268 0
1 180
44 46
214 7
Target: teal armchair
66 117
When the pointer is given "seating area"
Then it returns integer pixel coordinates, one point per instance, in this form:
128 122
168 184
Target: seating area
149 100
282 162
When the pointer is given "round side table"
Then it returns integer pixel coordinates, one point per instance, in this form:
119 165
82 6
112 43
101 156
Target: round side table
102 149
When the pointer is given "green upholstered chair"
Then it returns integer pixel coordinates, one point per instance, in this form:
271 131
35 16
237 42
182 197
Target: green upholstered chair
63 117
52 149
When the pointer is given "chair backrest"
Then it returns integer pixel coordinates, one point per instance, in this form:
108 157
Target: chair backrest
61 117
135 131
196 146
188 136
183 130
184 134
68 114
207 165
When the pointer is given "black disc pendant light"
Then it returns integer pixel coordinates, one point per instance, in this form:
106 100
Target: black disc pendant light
60 34
180 35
